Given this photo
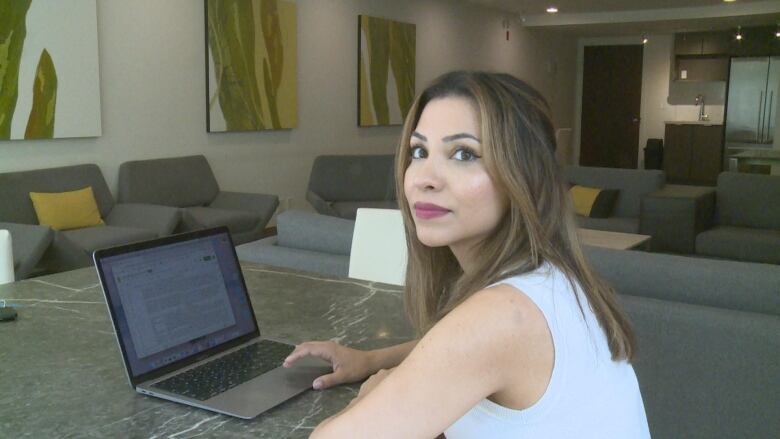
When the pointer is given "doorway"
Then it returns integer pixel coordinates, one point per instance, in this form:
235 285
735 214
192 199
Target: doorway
611 99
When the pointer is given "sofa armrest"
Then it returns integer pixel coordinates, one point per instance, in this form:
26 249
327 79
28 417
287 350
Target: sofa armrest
311 231
160 219
674 216
262 204
320 205
28 242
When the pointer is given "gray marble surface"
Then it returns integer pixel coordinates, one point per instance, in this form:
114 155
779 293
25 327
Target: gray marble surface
62 375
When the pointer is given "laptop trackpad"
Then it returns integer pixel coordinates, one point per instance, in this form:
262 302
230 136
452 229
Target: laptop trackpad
270 389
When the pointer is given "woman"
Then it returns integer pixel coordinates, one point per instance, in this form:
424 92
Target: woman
519 338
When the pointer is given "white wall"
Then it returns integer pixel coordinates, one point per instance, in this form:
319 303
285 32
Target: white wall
655 108
152 68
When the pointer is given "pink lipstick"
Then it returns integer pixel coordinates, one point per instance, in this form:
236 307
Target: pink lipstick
429 210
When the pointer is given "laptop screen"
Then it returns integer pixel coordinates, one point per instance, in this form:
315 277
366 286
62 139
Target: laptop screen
175 300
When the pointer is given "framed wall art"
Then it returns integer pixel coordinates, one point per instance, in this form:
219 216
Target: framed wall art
49 71
251 65
386 70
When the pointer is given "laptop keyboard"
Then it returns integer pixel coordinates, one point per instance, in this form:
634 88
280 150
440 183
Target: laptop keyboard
212 378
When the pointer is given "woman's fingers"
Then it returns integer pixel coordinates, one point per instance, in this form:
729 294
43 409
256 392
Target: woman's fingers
329 380
321 349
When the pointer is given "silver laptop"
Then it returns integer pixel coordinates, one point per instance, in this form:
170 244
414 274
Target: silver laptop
186 328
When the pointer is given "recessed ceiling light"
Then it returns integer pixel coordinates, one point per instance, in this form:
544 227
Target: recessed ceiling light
552 10
729 1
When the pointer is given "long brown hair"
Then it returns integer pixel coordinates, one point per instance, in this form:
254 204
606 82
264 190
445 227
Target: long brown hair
518 144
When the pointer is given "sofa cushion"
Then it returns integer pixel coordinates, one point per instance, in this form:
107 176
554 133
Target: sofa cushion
741 243
706 372
353 177
67 210
93 238
315 232
718 283
195 218
748 200
266 251
613 224
178 181
632 183
348 209
15 188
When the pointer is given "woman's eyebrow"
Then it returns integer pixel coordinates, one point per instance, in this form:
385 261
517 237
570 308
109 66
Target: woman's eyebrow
419 136
459 136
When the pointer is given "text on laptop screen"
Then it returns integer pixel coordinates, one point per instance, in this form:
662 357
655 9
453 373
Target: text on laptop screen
177 300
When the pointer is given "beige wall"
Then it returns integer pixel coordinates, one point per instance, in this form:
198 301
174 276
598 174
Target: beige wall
152 61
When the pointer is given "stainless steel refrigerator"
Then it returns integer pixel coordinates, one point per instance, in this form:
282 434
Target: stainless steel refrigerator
752 106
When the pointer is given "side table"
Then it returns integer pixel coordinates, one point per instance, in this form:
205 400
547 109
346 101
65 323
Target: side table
674 215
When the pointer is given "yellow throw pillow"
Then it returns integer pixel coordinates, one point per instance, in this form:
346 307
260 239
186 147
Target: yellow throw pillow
67 210
583 198
593 202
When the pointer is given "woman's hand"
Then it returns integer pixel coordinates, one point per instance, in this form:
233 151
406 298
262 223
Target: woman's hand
349 365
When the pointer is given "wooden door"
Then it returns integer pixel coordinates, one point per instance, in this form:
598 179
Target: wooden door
611 97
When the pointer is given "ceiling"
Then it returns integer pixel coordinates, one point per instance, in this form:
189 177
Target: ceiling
591 18
584 6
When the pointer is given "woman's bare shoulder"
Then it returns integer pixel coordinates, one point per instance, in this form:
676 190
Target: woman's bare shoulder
502 312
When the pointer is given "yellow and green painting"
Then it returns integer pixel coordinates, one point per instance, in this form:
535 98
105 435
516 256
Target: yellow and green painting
386 71
252 71
49 82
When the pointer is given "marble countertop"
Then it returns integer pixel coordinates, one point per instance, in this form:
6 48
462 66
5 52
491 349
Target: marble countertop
62 373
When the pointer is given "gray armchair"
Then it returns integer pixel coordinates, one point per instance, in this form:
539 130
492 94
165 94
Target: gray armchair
341 184
747 219
188 183
71 249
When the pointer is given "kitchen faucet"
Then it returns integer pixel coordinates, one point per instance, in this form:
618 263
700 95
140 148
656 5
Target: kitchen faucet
700 102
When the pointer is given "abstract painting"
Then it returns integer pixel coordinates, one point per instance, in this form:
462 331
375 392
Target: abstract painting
386 69
49 74
251 65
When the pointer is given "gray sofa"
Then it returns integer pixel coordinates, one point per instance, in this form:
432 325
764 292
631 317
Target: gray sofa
304 241
69 249
747 219
188 183
633 185
340 184
708 361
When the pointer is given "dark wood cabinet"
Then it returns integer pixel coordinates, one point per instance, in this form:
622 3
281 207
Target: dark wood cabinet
687 44
701 56
702 43
716 43
693 154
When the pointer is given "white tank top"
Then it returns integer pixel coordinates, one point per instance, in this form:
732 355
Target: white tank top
589 395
